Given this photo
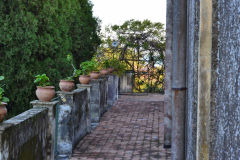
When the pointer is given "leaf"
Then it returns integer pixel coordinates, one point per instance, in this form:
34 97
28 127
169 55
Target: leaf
5 99
1 78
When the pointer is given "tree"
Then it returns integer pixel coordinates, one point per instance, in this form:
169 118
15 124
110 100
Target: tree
141 44
35 38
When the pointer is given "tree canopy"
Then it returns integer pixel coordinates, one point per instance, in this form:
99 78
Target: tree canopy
141 45
35 38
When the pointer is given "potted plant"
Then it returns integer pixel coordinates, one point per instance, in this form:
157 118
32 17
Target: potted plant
106 67
83 72
3 102
67 84
119 67
93 67
44 91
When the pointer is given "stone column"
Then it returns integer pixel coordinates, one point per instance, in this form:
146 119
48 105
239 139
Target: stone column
72 120
179 70
52 106
95 102
89 89
204 80
104 94
168 77
110 90
116 83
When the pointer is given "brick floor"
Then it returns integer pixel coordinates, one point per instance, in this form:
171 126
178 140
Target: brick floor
131 130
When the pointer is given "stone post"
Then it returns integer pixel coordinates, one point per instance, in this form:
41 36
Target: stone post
116 84
72 120
52 106
95 102
89 90
104 92
112 89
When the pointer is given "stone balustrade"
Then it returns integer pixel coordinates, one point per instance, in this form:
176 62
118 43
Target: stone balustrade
51 130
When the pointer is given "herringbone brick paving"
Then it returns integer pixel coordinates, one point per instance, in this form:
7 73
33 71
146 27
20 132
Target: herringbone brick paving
131 130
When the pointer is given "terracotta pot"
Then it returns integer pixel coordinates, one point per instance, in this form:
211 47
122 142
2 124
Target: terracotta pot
45 93
104 72
66 85
3 111
95 75
110 70
84 79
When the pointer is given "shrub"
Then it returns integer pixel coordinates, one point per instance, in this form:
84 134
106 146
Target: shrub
35 37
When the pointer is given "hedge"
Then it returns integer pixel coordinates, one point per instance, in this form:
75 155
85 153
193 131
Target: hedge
35 37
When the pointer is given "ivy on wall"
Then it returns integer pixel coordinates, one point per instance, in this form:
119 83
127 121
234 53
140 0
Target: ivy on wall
35 37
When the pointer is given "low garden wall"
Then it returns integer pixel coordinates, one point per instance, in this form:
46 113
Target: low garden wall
51 130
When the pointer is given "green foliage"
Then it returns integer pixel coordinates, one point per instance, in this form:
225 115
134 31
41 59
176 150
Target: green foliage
141 46
42 80
106 63
120 67
71 78
2 97
35 37
87 66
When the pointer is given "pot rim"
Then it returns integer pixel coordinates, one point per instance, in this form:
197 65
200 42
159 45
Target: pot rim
84 76
66 80
46 87
3 104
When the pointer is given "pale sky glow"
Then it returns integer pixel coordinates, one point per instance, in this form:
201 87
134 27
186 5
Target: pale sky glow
117 11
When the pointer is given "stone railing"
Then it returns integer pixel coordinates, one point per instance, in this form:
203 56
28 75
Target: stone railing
51 130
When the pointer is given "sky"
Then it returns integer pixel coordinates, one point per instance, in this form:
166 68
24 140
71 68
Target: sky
117 11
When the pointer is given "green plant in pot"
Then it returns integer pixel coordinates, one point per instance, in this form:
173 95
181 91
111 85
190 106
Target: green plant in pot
83 72
67 84
119 67
44 91
93 67
3 102
106 67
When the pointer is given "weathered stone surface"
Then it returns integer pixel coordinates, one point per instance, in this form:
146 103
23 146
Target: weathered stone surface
112 89
51 125
24 137
89 89
225 107
168 77
72 120
103 94
95 102
126 83
116 86
192 78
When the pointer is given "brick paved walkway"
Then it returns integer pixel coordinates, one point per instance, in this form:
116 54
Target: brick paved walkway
132 129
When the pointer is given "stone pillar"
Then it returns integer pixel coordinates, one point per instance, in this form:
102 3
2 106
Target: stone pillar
116 85
104 94
95 102
110 90
52 106
168 77
72 120
89 89
179 87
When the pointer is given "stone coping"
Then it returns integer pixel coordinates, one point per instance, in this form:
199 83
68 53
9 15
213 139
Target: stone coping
29 114
83 85
38 102
73 92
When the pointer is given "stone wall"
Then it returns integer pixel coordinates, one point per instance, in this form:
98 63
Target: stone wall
213 75
73 115
112 90
24 137
51 130
225 91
